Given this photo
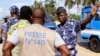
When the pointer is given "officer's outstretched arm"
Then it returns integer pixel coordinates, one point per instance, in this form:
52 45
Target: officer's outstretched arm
92 14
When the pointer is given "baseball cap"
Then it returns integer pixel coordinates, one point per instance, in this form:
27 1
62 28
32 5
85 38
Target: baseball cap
60 10
14 9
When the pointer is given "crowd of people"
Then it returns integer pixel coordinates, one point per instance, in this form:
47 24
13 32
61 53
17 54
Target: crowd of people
24 34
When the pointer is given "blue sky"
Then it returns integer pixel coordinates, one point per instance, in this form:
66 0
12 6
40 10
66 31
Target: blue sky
6 4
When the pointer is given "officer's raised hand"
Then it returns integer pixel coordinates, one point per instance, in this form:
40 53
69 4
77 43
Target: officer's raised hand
89 18
94 10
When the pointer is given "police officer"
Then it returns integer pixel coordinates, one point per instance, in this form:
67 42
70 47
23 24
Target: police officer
68 29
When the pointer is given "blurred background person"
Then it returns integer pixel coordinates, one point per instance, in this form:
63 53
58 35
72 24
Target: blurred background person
3 30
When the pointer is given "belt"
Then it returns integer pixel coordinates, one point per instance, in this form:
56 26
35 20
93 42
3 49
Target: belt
72 49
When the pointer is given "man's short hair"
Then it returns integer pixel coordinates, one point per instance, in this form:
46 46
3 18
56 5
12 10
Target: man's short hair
61 10
26 13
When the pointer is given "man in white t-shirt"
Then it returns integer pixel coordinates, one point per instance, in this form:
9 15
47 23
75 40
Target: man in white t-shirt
35 39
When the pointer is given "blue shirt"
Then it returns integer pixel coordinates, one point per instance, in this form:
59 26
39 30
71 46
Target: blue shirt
4 28
69 32
11 22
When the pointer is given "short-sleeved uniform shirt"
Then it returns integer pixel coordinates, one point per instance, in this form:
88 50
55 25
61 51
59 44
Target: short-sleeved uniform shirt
4 29
69 32
12 21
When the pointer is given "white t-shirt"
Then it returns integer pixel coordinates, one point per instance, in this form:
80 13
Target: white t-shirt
15 39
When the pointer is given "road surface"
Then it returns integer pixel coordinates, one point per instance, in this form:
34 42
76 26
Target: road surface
83 49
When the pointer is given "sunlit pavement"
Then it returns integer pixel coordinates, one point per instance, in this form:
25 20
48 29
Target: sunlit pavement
82 51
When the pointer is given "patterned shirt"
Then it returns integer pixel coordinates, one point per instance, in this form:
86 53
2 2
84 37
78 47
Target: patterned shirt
22 23
11 22
4 28
69 32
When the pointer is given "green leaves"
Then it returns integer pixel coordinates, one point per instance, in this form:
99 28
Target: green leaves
37 5
69 3
48 6
74 16
78 2
89 2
